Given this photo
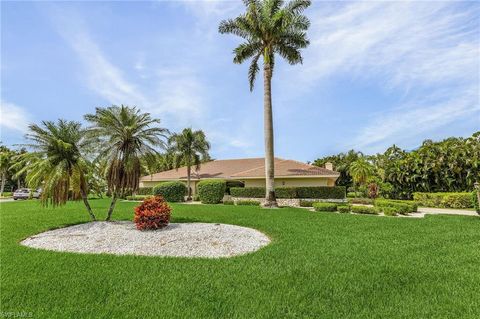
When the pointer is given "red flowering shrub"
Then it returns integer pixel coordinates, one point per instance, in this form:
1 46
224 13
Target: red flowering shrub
153 213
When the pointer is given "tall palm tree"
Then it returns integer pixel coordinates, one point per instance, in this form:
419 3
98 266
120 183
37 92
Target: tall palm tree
269 27
56 162
124 137
189 148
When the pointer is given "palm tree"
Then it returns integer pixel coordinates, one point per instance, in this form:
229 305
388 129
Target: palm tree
360 170
189 148
124 137
269 27
5 162
56 162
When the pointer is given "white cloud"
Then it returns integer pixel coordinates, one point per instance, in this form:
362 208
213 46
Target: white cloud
427 50
13 117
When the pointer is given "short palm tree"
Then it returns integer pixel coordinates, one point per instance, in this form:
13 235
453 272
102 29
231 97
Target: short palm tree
269 27
56 163
124 137
360 170
189 148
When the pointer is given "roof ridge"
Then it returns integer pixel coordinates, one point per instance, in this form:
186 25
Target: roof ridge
252 169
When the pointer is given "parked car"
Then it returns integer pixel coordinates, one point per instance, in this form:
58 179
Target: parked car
24 193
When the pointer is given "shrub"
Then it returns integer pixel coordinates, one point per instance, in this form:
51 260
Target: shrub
307 203
232 184
363 201
352 194
153 213
196 198
323 192
390 211
228 202
401 207
211 191
325 207
7 194
248 202
171 191
364 210
251 192
344 208
475 202
444 200
138 197
286 192
145 191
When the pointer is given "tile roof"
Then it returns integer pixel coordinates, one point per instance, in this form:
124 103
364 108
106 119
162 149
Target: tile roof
242 168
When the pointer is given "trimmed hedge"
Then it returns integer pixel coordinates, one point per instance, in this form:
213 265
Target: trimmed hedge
323 192
400 207
211 191
475 202
344 208
228 202
391 211
363 201
364 210
145 191
248 202
251 192
138 197
286 192
171 191
444 200
307 203
319 192
325 207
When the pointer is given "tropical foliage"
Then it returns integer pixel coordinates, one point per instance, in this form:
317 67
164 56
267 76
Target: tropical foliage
269 27
451 165
124 137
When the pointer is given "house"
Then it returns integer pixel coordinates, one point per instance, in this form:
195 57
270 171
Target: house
251 172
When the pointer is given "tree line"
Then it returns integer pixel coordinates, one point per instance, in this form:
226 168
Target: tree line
450 165
109 155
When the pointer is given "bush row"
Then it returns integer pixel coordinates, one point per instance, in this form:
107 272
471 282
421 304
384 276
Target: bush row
211 191
394 207
320 192
362 201
444 200
248 202
138 197
145 191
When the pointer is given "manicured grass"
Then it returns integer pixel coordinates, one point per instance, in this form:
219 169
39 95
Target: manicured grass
319 265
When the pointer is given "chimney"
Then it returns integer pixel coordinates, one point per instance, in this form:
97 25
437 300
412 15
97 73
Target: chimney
329 166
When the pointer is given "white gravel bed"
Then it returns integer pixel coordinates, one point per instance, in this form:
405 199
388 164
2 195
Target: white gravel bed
178 240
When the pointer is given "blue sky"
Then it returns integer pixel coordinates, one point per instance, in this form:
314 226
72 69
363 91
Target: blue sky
376 73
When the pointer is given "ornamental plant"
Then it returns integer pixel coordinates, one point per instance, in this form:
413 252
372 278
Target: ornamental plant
153 213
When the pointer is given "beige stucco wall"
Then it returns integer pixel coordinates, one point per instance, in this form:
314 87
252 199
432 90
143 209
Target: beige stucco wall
291 182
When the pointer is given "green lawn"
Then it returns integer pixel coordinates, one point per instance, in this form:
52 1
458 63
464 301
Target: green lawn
319 265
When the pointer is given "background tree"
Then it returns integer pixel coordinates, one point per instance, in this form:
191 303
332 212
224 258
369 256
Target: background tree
189 148
5 163
56 163
269 27
341 163
360 170
123 136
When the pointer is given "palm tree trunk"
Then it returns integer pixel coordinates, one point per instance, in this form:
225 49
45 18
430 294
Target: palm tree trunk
270 199
189 191
112 206
87 204
2 187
